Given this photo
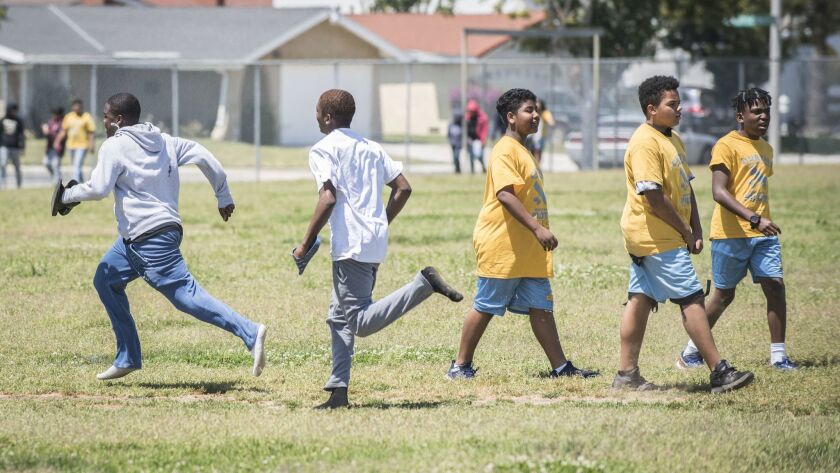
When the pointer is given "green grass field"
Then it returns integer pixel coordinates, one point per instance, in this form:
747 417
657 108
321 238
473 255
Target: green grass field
194 406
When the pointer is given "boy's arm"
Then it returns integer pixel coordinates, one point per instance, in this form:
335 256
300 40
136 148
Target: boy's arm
323 209
696 227
721 194
59 139
190 152
514 206
102 179
21 136
400 192
664 209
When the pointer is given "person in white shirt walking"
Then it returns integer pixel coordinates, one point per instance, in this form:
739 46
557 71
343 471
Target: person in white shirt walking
140 165
350 173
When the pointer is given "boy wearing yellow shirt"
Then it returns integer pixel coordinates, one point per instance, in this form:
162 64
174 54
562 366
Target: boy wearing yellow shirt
743 235
661 225
513 244
77 127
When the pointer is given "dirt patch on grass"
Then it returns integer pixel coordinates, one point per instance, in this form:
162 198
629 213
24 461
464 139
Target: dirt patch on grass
626 398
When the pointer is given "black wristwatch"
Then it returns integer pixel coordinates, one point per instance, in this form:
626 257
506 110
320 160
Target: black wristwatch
755 220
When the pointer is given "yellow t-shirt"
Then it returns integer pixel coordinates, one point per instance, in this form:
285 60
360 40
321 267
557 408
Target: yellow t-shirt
546 121
654 158
504 248
78 128
750 163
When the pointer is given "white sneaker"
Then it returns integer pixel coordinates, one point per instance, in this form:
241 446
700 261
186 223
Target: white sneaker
114 373
259 351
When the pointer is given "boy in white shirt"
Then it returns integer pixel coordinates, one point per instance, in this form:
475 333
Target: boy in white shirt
350 172
140 165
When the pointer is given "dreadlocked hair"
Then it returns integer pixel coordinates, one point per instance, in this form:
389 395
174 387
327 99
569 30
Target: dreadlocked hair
745 99
339 104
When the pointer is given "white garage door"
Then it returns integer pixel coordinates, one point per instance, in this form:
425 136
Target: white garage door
301 86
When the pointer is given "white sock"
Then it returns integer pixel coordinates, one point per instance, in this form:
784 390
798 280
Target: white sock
560 368
690 348
777 352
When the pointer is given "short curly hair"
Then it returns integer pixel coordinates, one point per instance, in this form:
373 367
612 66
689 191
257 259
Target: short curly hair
511 100
653 88
127 105
749 97
339 104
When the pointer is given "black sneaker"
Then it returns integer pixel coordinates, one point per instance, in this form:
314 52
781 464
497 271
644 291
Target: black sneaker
632 380
439 285
726 378
337 400
571 370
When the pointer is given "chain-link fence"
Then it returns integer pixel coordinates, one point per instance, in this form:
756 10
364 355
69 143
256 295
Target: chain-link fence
272 103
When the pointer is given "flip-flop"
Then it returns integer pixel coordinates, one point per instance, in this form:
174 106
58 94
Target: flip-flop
57 206
302 262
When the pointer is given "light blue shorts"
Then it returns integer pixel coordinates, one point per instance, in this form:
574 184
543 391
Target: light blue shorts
731 257
663 276
517 295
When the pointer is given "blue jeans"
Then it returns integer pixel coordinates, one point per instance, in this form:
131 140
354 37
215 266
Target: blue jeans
78 156
158 260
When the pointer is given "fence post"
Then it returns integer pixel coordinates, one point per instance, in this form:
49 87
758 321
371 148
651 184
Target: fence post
5 81
596 81
464 71
257 119
407 136
175 100
94 84
775 55
549 106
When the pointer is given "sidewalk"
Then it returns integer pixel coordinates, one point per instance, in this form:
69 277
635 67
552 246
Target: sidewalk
441 153
426 159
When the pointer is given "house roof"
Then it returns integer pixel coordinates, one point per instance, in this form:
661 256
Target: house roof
441 34
75 33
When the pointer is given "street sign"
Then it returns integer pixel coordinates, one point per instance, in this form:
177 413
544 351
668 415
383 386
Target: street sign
749 21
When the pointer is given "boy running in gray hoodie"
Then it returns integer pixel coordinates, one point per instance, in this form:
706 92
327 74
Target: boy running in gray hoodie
140 165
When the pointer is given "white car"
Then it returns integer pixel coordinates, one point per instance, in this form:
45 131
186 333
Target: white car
614 132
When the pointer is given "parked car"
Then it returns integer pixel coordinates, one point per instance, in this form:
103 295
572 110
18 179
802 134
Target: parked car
614 132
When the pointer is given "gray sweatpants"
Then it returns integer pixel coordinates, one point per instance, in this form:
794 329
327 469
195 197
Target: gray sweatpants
353 312
13 155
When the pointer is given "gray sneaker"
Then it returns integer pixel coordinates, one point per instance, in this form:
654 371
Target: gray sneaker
632 380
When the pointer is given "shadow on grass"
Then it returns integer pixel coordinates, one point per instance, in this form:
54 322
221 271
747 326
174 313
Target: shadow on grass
817 362
408 405
204 387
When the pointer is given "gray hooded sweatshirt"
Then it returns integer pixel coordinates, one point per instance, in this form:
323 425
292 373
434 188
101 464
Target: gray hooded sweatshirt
140 164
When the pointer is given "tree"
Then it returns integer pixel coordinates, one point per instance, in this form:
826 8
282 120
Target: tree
629 27
636 28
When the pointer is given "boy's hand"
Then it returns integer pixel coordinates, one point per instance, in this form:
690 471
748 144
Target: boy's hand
697 247
697 242
768 228
546 238
302 255
226 212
